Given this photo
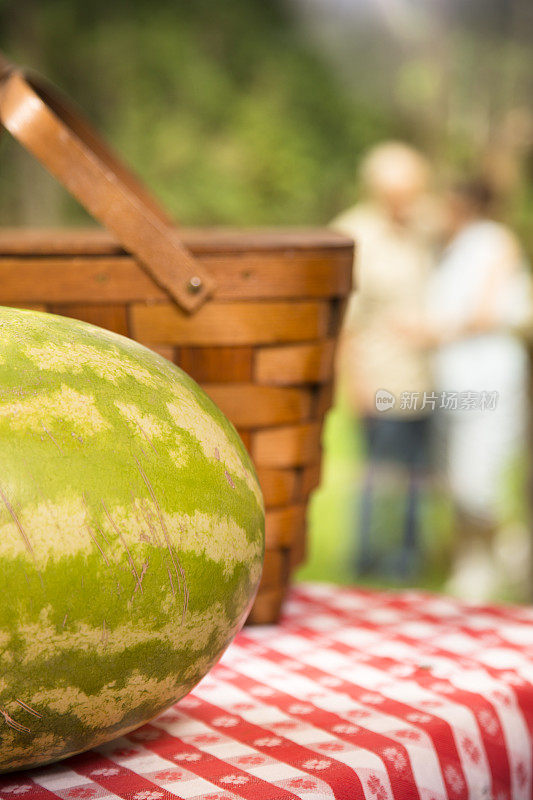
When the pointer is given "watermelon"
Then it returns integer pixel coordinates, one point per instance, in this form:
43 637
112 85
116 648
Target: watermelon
131 536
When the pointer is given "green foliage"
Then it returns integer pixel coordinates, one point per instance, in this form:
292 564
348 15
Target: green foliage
222 107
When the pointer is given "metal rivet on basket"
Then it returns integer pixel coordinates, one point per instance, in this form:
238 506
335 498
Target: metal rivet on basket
194 284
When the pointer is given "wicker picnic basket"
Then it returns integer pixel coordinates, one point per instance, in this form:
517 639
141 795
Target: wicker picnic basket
251 315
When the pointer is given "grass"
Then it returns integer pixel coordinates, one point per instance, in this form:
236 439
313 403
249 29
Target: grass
333 514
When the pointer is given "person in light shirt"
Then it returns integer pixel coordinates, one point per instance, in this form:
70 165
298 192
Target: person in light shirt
391 268
480 296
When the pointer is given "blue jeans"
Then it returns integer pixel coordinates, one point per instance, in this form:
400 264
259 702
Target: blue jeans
403 443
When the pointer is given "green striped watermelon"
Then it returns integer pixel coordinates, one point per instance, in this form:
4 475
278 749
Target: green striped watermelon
131 536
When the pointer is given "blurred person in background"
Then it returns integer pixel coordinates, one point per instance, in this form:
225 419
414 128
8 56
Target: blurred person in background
386 376
479 295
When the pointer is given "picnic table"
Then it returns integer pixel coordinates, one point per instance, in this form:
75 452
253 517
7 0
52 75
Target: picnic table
355 694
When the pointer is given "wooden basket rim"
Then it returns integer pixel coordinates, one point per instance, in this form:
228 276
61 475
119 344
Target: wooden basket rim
212 240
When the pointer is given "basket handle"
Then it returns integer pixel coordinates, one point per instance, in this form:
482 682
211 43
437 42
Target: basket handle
53 131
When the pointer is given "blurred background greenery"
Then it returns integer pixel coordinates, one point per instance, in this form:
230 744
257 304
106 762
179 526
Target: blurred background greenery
254 112
251 112
226 109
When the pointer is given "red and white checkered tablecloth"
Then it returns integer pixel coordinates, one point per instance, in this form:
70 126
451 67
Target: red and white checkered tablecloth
356 694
